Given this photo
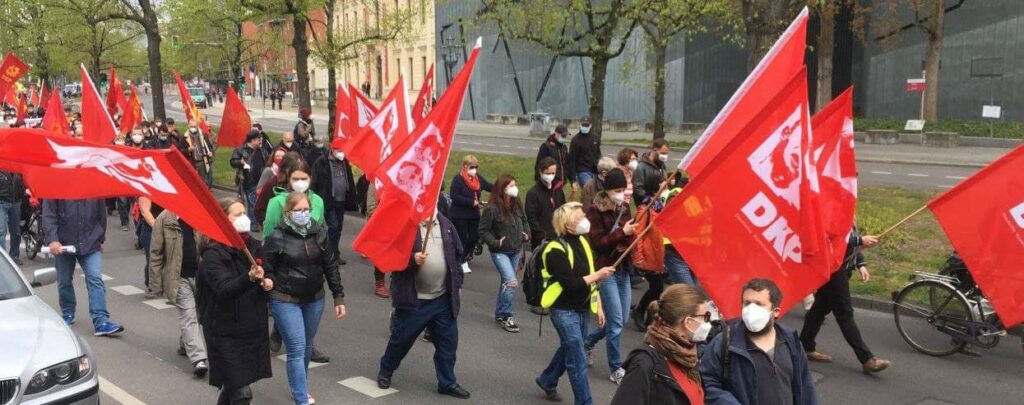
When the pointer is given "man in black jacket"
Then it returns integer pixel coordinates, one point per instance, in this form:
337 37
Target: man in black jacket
585 150
12 192
332 181
555 148
248 168
541 202
426 296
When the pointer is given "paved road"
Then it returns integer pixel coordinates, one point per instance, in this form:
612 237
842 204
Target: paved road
141 366
918 176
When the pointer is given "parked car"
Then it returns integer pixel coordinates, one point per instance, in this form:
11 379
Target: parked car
198 96
42 361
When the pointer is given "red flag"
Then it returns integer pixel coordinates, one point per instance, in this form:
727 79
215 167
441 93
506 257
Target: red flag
11 70
96 123
33 98
191 112
833 147
425 98
102 171
983 217
132 114
21 108
43 97
115 95
235 122
343 117
55 120
753 213
764 82
388 128
412 178
12 98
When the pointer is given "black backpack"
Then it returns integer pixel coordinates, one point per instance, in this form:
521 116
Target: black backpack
533 281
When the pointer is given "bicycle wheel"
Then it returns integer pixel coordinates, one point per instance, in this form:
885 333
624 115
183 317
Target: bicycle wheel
34 238
923 308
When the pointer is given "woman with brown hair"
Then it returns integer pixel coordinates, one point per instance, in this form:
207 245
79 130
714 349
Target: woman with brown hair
665 370
504 228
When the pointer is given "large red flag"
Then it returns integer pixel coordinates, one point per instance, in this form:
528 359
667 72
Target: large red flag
412 178
364 108
753 213
833 147
425 98
21 108
97 126
191 111
388 128
983 217
764 82
132 114
10 71
235 122
115 95
345 124
55 120
102 171
43 97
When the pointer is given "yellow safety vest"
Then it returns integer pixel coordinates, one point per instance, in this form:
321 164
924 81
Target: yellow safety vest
671 193
552 290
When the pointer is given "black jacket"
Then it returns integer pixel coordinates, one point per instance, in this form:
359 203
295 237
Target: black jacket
565 172
462 197
648 380
541 203
12 187
233 312
78 223
585 150
494 227
242 156
323 184
403 283
299 264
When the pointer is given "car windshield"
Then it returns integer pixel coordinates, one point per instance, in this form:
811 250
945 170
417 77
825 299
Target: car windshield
197 92
11 285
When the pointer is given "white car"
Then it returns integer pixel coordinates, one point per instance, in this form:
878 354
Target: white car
41 360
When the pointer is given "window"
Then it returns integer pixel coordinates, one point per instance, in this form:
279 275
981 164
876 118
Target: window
410 74
425 68
398 69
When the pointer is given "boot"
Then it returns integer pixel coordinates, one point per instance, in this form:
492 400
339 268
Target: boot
380 291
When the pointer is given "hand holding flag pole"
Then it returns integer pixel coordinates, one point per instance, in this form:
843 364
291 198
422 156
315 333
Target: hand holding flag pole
640 235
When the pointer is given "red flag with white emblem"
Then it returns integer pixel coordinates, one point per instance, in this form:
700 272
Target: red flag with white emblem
388 128
115 95
833 147
10 71
753 213
96 123
411 179
425 98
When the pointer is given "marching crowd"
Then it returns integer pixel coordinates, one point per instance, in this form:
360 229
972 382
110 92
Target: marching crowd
574 227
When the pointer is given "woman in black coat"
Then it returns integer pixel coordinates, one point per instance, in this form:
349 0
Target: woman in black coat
232 303
466 190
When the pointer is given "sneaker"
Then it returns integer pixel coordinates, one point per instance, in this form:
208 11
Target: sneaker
69 319
275 341
108 329
590 355
150 294
310 399
465 268
550 395
875 365
617 375
200 368
509 325
124 228
318 357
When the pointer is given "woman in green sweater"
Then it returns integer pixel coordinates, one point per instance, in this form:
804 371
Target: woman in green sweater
297 179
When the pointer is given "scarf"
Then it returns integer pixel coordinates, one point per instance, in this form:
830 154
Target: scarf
301 230
673 346
473 182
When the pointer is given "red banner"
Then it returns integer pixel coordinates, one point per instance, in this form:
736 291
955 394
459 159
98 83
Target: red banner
344 119
235 122
132 113
983 217
55 120
424 100
115 95
102 171
44 98
388 128
833 147
754 212
189 106
96 123
11 70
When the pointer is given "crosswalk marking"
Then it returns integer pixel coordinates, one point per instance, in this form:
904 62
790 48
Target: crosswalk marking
956 177
312 364
158 303
366 387
117 393
82 274
878 172
127 290
917 175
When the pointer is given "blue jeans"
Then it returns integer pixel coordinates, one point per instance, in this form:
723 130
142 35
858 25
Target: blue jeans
506 264
335 217
10 222
407 324
92 267
145 235
570 357
616 295
250 206
297 324
677 269
583 177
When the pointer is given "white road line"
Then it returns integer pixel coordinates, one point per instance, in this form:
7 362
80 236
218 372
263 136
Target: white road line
103 276
159 303
366 387
917 175
127 290
117 393
942 186
886 173
312 364
956 177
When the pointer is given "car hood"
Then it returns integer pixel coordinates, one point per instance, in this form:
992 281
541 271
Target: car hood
33 337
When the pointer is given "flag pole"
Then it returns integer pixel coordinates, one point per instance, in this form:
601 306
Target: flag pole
902 221
640 236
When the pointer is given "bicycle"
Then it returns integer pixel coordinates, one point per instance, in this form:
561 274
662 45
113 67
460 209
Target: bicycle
32 229
940 314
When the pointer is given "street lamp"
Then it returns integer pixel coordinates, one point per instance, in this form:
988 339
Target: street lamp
450 50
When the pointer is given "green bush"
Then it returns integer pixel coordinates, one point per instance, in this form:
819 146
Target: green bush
1001 129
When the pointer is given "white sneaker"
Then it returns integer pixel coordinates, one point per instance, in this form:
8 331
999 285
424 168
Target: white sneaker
617 375
808 302
466 269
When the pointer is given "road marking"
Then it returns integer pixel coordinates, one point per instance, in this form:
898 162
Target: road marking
127 290
956 177
159 303
366 387
312 364
881 173
917 175
103 276
943 186
117 393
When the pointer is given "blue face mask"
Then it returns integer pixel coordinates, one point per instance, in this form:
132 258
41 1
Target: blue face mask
301 218
584 130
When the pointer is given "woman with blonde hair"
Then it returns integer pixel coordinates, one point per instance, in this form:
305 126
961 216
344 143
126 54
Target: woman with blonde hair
681 320
466 189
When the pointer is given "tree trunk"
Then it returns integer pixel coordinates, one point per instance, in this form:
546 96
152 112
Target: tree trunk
759 41
825 51
301 46
332 73
932 59
660 51
156 78
597 76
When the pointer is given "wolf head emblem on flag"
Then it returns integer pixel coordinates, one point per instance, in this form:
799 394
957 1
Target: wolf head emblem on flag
417 168
141 174
777 161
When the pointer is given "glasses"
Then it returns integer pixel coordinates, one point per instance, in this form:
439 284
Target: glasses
706 317
474 167
301 210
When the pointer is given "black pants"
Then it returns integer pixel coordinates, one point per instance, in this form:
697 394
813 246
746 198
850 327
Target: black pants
469 232
834 297
655 286
234 396
377 275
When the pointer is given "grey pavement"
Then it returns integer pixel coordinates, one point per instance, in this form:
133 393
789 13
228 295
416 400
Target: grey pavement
141 366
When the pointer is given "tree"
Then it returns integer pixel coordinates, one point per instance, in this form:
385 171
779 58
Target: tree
344 43
204 30
298 11
594 29
763 22
664 20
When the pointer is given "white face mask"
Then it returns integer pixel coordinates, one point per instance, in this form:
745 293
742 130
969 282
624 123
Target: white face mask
137 138
618 198
547 178
300 186
663 157
288 145
633 164
471 172
755 317
242 224
701 334
512 191
193 130
562 140
583 227
339 155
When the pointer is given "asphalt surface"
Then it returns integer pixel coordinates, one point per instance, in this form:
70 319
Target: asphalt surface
141 366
